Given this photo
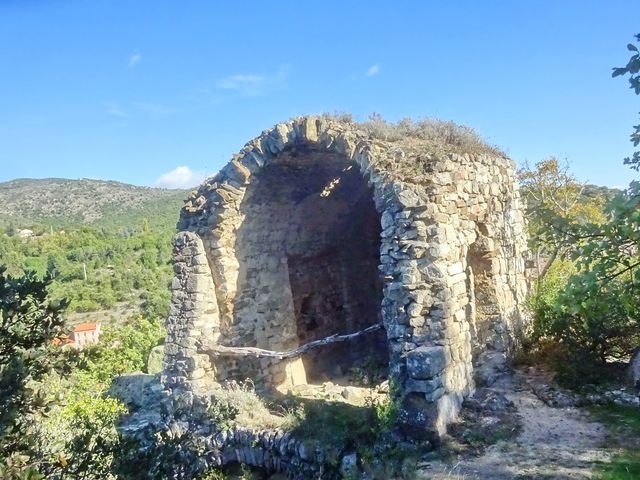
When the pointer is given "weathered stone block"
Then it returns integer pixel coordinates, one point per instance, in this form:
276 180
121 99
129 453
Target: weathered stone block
423 386
418 417
426 362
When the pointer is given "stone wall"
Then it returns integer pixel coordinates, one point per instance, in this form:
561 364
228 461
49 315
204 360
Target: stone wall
310 231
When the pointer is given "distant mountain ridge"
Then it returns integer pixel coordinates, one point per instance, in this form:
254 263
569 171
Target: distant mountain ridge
60 202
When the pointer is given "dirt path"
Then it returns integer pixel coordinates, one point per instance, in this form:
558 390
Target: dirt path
553 443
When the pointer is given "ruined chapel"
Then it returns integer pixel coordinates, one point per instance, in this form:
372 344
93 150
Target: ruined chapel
318 229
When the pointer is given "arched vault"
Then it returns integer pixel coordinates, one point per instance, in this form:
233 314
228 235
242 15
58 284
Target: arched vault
316 230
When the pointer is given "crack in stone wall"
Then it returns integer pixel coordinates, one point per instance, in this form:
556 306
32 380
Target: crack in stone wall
450 267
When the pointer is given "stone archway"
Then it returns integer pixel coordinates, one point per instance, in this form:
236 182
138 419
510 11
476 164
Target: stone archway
308 253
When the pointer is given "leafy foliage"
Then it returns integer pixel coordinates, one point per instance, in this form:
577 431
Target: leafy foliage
596 316
120 266
553 194
56 418
78 438
114 254
632 68
597 313
30 322
122 349
596 321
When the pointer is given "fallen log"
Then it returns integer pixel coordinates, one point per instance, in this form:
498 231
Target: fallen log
221 350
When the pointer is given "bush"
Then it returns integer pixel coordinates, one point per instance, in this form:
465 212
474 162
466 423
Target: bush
124 349
29 323
238 404
582 326
79 438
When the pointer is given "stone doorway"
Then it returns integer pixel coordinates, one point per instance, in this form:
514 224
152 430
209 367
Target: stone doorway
308 250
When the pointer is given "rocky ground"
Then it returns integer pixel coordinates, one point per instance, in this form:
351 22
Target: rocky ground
336 392
522 426
535 431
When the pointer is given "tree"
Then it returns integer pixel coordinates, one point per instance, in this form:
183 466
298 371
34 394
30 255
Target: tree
597 316
554 195
29 323
632 68
612 251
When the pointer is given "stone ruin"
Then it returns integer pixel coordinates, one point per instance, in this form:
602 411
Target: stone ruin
318 228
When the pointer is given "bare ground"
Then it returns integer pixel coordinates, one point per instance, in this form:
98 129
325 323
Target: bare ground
554 442
109 317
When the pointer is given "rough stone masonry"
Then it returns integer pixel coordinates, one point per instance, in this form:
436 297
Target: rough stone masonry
317 228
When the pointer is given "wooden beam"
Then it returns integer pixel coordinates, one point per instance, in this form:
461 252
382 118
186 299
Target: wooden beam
220 350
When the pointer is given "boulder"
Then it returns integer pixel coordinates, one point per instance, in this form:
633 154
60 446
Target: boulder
352 394
133 389
489 367
349 465
154 362
417 417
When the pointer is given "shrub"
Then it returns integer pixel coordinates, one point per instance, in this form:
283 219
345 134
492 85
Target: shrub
79 439
28 324
598 319
238 404
590 323
124 349
445 134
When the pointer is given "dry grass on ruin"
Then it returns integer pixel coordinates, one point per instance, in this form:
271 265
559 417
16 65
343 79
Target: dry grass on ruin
441 135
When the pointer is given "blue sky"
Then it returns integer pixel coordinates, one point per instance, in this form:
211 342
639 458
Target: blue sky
130 91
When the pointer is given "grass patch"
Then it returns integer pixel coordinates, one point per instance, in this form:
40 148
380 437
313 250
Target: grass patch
624 466
340 427
328 423
624 421
447 134
415 148
334 424
335 427
237 404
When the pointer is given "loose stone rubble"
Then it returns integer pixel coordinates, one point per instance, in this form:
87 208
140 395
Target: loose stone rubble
315 228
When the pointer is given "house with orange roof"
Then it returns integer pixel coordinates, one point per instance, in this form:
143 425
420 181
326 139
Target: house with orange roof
85 334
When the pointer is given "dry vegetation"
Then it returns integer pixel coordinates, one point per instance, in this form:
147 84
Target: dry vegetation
440 134
415 146
238 404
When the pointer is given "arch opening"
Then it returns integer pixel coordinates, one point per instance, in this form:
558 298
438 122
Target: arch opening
483 313
308 250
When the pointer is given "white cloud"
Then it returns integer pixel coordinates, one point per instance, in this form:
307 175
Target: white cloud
249 85
373 70
134 59
153 109
114 110
180 177
253 85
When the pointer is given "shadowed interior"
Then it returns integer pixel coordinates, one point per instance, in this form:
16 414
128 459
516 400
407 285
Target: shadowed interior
308 250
